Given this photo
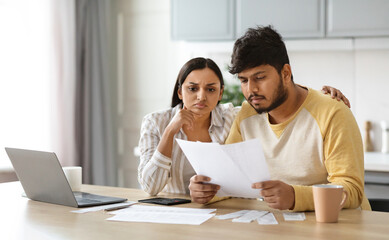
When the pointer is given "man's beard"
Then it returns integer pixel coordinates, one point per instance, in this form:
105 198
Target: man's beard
279 96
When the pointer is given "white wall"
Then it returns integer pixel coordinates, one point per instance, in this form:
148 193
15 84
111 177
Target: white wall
148 63
361 76
145 72
372 89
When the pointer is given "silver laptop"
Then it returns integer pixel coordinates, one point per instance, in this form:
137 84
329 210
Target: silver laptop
43 179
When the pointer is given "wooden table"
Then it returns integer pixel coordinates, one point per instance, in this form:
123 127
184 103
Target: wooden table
21 218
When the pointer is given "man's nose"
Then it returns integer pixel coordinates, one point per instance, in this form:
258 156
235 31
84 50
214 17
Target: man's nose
251 86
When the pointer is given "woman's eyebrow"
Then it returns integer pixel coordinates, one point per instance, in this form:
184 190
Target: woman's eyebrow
209 84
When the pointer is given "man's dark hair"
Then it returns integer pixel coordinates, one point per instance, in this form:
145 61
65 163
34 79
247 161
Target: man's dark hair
259 46
191 65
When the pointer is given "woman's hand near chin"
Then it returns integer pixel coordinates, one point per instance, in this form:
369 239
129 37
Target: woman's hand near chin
182 117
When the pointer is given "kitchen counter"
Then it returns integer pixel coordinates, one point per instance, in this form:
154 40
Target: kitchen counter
7 174
376 161
377 175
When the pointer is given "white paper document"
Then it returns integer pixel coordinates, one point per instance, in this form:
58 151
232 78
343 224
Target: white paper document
235 167
145 208
160 217
169 215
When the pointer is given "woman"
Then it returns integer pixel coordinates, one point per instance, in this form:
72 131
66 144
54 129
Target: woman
195 115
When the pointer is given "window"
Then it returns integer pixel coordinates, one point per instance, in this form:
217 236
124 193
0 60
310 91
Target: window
24 76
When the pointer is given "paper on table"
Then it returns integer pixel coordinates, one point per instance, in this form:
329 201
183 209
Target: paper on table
233 166
162 217
144 208
154 214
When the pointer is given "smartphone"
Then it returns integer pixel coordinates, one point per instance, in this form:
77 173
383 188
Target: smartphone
165 201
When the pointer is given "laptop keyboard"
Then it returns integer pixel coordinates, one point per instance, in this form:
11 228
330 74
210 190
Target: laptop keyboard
85 198
86 201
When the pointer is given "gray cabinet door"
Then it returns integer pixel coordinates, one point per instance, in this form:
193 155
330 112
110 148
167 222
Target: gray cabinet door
291 18
202 19
356 18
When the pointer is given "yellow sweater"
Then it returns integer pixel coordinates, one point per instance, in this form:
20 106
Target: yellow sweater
319 144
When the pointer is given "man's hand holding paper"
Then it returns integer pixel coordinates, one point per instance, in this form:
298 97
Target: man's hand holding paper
202 191
276 194
233 167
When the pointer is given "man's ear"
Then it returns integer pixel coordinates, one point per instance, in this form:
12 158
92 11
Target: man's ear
286 73
221 93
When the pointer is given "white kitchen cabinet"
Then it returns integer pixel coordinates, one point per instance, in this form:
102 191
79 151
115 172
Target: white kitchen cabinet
357 18
292 19
202 19
206 20
229 19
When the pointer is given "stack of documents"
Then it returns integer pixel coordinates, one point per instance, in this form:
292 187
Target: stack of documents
170 215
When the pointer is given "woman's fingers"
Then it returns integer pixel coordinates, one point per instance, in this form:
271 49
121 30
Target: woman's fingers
336 93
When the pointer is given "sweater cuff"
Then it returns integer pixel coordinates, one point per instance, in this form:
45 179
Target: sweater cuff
161 160
303 198
216 199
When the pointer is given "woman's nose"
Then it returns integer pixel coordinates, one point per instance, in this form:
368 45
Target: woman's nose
201 95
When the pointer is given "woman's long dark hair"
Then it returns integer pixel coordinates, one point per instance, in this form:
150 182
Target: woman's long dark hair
194 64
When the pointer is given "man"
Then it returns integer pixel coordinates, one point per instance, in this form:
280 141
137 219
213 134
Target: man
308 138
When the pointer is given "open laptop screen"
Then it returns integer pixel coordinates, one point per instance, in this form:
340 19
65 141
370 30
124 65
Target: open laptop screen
43 179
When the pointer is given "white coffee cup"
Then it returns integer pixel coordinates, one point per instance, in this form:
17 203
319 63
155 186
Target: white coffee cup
74 176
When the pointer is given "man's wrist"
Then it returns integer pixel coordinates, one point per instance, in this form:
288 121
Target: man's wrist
293 198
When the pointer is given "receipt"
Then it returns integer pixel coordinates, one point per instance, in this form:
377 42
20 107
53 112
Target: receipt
267 219
294 216
250 216
232 215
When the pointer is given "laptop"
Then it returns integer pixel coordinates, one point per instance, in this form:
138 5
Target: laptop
43 179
